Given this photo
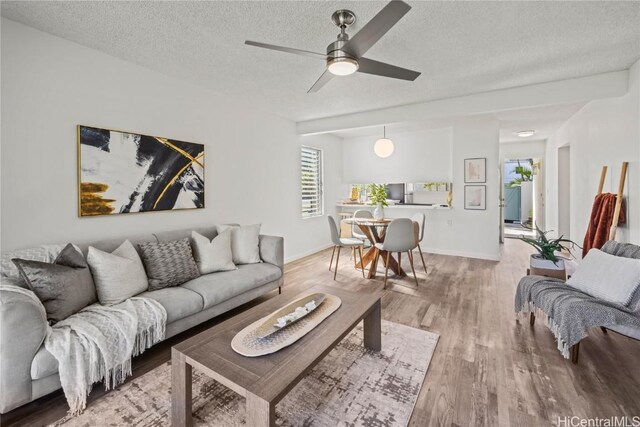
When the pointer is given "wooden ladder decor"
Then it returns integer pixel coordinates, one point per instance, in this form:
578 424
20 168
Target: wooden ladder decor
616 212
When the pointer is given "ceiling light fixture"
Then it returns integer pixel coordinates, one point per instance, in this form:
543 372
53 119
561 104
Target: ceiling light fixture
342 66
384 146
525 133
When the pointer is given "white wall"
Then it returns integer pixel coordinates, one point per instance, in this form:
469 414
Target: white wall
522 150
457 231
563 172
474 233
417 157
603 132
50 85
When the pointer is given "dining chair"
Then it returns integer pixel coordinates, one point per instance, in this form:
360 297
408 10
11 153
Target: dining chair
400 237
420 219
342 242
355 230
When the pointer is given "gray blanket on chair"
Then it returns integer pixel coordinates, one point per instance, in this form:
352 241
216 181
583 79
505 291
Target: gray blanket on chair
569 313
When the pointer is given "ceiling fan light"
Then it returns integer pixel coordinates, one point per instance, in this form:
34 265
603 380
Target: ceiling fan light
383 147
342 66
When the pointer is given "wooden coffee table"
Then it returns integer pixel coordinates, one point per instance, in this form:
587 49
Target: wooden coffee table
265 380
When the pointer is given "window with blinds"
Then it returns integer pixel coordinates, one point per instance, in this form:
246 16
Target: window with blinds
311 181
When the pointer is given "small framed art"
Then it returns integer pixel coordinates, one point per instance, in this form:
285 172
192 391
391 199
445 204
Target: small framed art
475 170
475 197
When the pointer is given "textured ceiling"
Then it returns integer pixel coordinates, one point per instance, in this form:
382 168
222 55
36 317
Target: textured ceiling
460 47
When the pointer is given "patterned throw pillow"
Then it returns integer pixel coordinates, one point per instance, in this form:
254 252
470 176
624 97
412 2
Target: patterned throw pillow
43 253
168 263
608 277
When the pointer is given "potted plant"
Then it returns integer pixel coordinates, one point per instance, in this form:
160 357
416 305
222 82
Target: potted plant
378 198
547 259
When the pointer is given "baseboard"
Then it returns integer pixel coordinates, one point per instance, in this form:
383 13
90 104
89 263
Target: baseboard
476 255
306 253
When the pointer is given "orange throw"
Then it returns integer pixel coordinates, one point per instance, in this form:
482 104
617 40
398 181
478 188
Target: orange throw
600 222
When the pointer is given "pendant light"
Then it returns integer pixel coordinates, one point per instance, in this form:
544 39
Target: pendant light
384 146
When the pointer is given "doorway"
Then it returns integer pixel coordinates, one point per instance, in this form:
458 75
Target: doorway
519 197
564 193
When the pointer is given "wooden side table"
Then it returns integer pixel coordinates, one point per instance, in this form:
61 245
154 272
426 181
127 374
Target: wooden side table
555 274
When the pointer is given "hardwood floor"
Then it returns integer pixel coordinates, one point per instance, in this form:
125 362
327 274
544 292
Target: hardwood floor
488 368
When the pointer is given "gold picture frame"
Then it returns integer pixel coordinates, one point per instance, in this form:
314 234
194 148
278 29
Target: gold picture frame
125 172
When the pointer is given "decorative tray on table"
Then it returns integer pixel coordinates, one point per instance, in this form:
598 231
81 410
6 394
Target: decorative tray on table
285 326
289 314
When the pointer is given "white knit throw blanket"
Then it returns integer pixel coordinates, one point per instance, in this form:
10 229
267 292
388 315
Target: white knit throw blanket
97 343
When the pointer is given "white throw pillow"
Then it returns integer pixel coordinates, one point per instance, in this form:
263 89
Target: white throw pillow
608 277
213 255
117 275
245 242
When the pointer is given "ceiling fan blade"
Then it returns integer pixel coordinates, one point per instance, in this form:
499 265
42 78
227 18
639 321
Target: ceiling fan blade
324 78
369 66
287 49
376 28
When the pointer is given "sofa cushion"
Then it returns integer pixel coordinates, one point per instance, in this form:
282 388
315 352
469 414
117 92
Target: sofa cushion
178 302
43 364
245 242
43 253
169 263
212 255
118 275
219 287
64 286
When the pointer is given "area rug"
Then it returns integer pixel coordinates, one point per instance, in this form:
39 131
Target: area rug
351 386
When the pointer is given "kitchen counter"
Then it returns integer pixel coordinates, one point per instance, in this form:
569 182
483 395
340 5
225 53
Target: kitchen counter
401 206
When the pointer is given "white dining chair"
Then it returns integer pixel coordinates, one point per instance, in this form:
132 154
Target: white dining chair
355 229
420 219
400 237
342 242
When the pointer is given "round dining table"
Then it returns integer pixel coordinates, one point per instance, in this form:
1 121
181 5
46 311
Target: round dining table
375 230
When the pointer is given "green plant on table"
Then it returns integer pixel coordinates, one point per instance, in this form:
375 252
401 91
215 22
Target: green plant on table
378 194
546 247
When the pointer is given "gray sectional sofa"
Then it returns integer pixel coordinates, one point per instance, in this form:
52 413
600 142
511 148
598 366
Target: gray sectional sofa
28 371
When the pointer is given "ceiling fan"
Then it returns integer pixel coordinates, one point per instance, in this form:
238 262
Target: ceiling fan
346 55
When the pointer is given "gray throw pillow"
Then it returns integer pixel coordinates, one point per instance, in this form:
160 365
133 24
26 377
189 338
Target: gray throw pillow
118 275
168 263
213 255
245 243
64 287
608 277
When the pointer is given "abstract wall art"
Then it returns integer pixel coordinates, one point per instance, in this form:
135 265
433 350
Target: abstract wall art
475 197
123 172
475 170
